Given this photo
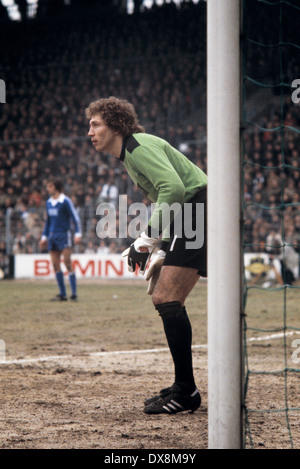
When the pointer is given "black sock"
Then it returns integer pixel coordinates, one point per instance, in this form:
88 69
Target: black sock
179 336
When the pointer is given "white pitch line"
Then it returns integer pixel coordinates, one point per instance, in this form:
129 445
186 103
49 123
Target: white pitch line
272 336
49 358
21 361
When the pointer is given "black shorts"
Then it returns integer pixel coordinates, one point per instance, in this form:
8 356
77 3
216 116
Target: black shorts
185 250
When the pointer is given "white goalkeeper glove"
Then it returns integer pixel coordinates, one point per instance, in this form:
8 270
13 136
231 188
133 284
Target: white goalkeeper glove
156 263
139 253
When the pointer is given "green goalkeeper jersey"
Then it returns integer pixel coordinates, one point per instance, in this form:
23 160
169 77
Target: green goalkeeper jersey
163 173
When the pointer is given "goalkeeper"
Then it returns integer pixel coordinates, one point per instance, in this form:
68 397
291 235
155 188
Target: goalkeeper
167 177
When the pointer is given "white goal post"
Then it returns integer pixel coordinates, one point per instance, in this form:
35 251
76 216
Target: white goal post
224 233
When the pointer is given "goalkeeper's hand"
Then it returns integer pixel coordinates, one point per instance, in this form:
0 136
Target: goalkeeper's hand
157 261
139 253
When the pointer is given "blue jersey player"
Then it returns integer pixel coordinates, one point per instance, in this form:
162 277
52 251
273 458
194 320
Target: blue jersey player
61 214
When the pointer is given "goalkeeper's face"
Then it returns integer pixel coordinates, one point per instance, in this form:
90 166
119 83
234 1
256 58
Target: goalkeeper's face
103 137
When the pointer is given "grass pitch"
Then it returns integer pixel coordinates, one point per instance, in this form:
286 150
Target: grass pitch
109 316
73 400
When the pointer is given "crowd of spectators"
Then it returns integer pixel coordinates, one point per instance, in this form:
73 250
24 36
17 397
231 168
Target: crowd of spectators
156 60
52 81
272 182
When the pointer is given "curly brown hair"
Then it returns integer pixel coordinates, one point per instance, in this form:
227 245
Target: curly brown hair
118 114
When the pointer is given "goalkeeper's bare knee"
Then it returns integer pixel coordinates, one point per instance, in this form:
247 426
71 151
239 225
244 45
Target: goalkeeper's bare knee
159 297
